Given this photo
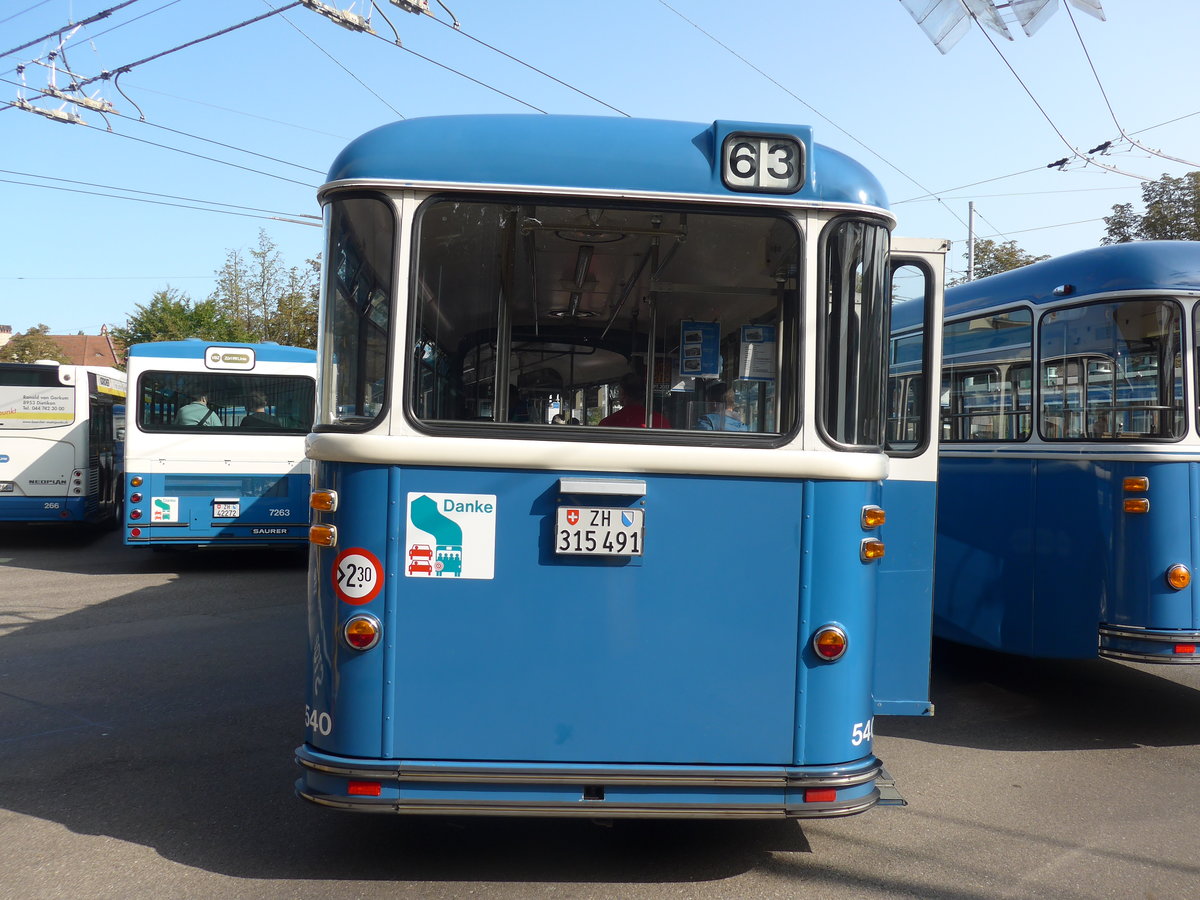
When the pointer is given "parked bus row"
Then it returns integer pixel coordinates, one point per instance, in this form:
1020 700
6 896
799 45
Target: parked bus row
207 448
628 468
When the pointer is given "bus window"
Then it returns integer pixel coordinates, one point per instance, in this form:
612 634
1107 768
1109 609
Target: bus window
906 425
185 401
1112 371
359 313
627 318
855 304
986 377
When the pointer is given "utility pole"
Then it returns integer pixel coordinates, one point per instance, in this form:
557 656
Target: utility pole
971 240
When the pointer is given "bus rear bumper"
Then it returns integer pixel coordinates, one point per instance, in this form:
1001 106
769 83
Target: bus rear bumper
42 509
1150 645
595 792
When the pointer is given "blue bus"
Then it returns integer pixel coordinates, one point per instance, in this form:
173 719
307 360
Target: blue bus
214 444
60 460
1070 457
599 473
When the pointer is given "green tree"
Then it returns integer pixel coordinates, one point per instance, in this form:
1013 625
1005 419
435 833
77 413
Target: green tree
270 301
1172 213
33 345
172 316
992 258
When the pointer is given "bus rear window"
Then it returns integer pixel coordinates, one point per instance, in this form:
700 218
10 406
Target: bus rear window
210 402
537 315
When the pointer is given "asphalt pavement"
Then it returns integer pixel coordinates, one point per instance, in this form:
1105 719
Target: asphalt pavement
150 703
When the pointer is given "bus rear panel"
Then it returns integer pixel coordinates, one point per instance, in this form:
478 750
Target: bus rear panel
215 446
59 453
598 475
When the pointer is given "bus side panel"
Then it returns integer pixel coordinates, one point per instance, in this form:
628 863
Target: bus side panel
344 711
904 613
834 698
1148 544
684 655
1072 556
983 583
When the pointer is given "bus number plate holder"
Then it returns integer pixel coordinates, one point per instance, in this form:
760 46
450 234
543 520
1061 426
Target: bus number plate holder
227 509
598 531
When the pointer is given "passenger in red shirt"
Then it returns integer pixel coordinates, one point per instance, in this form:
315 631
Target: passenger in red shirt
632 413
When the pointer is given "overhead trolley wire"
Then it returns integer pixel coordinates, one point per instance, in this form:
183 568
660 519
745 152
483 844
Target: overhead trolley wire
241 112
207 141
129 21
440 65
22 12
151 194
337 62
103 14
104 76
1108 103
1088 160
293 219
963 187
454 26
115 74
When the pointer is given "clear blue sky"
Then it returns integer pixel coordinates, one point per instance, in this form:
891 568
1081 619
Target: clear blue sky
295 88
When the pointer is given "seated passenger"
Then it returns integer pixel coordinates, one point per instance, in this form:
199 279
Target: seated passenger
726 417
258 417
198 412
632 413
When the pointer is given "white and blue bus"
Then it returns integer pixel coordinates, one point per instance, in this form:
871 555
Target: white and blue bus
599 474
1069 503
214 446
59 443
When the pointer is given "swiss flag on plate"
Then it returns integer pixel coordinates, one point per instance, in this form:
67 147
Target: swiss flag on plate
572 517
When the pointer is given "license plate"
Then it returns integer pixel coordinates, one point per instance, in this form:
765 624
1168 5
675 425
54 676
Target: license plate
226 510
599 531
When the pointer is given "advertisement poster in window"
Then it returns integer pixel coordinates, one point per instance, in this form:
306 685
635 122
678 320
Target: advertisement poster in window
699 349
756 359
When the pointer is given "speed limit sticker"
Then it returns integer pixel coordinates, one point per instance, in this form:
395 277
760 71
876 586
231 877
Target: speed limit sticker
357 576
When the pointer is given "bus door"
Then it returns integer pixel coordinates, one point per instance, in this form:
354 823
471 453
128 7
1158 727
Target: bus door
905 597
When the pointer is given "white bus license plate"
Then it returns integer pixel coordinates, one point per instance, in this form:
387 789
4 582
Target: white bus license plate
226 510
598 531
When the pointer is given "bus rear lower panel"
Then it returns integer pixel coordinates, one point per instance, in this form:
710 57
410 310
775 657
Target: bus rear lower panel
589 792
227 510
32 510
510 678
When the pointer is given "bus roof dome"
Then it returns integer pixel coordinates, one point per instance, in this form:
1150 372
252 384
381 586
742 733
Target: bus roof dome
587 153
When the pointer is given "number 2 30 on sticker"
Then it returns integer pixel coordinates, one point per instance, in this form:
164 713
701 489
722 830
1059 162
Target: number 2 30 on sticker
357 576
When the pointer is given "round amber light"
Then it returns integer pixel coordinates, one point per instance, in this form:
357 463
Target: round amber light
830 643
361 632
1179 577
